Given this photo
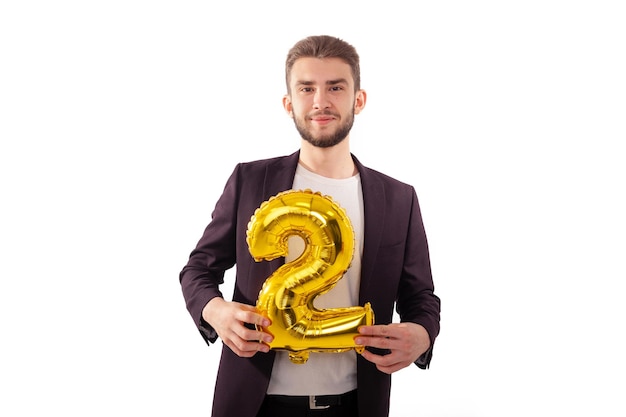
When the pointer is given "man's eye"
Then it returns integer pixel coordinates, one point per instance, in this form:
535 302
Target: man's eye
306 89
336 88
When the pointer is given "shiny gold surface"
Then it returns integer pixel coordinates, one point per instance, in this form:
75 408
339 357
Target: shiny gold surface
287 296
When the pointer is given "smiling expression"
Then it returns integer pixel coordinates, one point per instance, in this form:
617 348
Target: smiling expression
322 100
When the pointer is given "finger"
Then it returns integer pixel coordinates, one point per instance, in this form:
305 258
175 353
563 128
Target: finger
255 335
252 347
386 363
253 317
385 360
249 352
375 341
379 330
247 348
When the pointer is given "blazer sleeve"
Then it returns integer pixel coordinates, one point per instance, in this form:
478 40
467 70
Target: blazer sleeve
417 301
213 255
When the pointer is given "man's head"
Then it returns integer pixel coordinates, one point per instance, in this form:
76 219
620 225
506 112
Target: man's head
324 46
323 89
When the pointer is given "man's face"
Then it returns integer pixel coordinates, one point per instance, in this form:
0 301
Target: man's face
322 100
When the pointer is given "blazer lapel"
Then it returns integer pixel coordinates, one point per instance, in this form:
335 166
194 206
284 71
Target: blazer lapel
374 212
279 175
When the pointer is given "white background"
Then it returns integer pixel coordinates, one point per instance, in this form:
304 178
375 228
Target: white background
121 120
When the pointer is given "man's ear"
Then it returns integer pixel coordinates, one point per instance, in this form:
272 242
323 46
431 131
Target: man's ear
359 101
287 105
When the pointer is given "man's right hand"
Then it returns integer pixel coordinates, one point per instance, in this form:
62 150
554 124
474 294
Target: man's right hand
228 318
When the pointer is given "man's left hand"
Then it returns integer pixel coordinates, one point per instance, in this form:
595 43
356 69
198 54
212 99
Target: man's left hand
405 341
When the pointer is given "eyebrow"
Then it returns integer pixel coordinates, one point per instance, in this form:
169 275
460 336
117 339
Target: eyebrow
329 82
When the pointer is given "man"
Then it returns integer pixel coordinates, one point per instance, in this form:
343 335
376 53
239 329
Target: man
391 265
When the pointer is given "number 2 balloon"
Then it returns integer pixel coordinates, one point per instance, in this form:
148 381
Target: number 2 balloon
287 296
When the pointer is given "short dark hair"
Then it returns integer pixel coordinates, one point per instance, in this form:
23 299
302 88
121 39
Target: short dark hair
324 46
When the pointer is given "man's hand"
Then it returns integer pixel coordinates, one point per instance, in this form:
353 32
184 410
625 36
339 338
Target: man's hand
229 319
406 341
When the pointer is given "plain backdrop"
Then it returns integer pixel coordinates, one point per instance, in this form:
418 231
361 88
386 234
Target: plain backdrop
120 122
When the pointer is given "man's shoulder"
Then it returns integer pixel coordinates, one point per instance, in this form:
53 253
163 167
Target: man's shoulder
262 162
266 162
371 174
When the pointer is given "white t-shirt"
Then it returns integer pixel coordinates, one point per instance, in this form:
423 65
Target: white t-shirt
325 373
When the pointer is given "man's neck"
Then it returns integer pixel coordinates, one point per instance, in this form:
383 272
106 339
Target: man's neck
334 162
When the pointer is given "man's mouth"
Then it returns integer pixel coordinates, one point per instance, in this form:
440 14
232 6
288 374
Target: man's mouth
323 118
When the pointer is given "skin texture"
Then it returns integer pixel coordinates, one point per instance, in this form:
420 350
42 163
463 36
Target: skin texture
323 103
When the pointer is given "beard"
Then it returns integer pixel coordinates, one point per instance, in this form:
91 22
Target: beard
330 139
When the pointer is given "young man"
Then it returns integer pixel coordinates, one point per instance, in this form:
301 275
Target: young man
390 267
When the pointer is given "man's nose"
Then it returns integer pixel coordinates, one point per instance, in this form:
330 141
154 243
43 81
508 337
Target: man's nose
320 99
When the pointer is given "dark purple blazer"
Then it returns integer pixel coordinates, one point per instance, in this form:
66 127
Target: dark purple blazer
395 271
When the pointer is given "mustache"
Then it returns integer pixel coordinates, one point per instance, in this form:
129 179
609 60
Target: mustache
323 113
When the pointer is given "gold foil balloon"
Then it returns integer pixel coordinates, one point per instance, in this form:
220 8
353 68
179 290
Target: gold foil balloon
287 296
